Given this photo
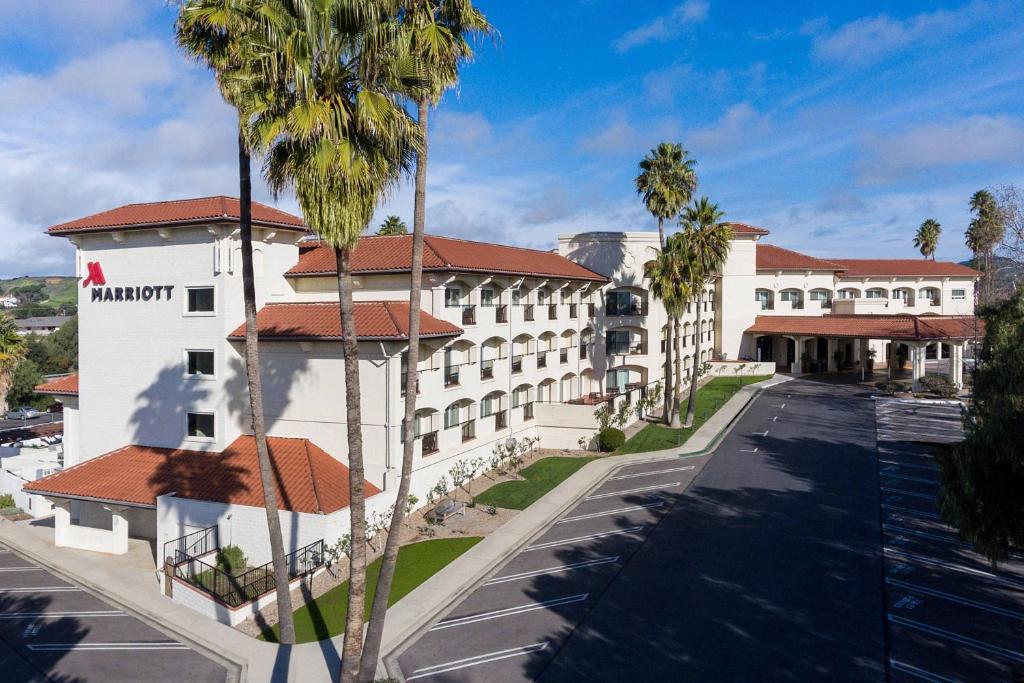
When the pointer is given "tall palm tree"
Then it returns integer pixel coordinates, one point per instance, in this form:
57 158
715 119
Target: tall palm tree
668 279
927 238
666 182
217 33
706 239
984 233
393 225
12 349
435 35
336 132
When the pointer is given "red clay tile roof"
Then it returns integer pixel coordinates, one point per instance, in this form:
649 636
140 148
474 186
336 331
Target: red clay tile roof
307 479
770 257
393 254
63 386
904 267
745 229
908 327
375 320
178 212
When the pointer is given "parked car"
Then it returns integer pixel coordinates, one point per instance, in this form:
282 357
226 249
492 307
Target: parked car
24 413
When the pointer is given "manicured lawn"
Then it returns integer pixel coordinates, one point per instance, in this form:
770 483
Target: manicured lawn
541 477
710 397
417 562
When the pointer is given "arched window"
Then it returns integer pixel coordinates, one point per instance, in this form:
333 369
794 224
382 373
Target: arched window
766 299
876 293
849 293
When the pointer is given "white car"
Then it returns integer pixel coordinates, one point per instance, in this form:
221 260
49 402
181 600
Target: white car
23 414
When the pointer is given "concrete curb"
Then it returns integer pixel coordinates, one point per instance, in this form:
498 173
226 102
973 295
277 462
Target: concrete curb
410 617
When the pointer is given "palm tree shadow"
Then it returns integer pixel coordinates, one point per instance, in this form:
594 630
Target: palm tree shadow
26 663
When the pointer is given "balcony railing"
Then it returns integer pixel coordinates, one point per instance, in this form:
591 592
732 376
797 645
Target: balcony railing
553 312
563 355
469 315
501 314
429 443
542 359
500 420
573 311
635 307
451 377
517 364
468 430
487 369
583 351
528 411
402 389
591 310
528 312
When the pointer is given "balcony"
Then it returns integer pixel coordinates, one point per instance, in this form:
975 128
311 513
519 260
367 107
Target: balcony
501 314
528 313
500 420
542 359
469 315
486 369
429 443
451 377
591 310
573 311
583 351
552 311
517 364
563 356
619 309
468 430
528 411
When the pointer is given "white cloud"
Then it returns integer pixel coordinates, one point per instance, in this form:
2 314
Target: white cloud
869 39
664 27
461 132
739 123
973 139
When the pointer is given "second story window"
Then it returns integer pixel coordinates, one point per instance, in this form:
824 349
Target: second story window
486 296
517 296
959 294
200 425
199 300
199 363
452 296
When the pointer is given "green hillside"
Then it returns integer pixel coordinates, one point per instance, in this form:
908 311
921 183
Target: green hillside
44 295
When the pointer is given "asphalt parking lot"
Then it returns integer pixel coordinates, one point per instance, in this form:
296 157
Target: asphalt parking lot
761 563
51 630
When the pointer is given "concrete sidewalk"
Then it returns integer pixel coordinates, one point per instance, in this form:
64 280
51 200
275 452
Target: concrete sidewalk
407 619
256 661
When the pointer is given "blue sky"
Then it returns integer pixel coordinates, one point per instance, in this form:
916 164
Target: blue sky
838 126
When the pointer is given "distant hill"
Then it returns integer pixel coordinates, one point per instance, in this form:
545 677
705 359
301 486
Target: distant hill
1009 273
45 295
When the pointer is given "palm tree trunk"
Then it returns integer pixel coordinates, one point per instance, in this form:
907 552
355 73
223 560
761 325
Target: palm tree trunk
353 642
661 232
678 389
375 630
691 404
286 623
667 395
5 385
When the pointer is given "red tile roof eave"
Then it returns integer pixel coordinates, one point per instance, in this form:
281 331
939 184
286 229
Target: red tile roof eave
56 231
329 273
116 501
282 337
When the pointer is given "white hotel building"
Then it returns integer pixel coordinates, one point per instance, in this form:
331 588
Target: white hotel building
514 342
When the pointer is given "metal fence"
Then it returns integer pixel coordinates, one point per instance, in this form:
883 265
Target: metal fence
192 546
237 589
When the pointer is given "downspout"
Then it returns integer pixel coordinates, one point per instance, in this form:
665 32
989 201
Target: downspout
387 414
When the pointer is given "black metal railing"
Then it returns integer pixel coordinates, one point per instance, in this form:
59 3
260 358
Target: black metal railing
542 359
193 545
487 369
501 314
563 355
583 351
591 310
517 363
469 315
468 430
429 443
553 312
528 312
235 590
573 311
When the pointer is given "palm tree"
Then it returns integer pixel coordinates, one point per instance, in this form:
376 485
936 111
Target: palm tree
667 274
12 349
666 182
706 239
985 231
927 238
217 34
393 225
435 35
335 131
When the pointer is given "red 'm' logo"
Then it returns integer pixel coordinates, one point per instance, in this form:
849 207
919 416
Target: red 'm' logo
95 275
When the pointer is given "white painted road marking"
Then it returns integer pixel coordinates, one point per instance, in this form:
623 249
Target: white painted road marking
913 588
21 569
569 541
932 468
616 511
765 433
69 647
648 474
48 589
924 534
919 673
509 611
61 615
926 496
912 511
956 637
478 659
955 567
552 570
904 477
748 451
775 419
620 493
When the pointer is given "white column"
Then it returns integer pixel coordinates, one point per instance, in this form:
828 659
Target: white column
833 345
956 364
917 352
61 520
118 530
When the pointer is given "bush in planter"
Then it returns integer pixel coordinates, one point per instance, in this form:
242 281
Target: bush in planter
889 387
939 384
7 501
231 559
611 439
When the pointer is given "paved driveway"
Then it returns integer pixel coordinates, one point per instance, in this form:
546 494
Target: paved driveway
51 630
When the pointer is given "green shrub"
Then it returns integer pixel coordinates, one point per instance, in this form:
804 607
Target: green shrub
231 559
939 384
7 501
611 439
889 387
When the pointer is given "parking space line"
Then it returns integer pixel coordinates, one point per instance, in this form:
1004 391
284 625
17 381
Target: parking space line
552 570
21 569
48 589
924 534
648 474
912 511
510 611
932 468
914 671
616 511
954 567
620 493
456 664
956 637
61 615
742 450
913 588
926 496
70 647
570 541
905 477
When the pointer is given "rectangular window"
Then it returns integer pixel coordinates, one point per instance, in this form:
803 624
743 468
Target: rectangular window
487 297
451 417
452 296
200 425
616 342
200 363
819 295
517 296
200 299
959 293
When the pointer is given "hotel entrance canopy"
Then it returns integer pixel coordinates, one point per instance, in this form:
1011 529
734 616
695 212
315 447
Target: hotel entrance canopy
922 328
